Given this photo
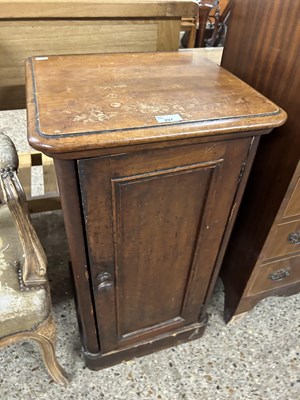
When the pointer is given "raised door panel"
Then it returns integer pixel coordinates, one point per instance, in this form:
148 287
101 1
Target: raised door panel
154 223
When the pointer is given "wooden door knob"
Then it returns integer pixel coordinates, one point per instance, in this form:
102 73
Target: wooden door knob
105 282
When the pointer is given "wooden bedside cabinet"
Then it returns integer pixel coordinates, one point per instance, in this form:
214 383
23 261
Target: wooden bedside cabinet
152 152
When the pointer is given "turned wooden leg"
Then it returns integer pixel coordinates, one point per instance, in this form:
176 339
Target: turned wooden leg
49 357
45 337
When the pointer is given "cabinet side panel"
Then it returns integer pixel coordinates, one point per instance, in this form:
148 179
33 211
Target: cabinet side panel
68 187
267 56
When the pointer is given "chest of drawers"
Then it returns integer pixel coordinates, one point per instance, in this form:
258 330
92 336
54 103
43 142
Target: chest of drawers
152 152
263 253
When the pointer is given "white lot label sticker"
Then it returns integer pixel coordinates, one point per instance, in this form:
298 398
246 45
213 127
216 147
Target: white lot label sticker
168 118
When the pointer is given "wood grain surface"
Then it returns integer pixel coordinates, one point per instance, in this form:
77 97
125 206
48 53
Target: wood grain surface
263 48
84 102
148 203
96 8
156 250
32 28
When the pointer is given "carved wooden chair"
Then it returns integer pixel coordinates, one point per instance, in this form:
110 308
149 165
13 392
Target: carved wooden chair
25 304
195 27
218 28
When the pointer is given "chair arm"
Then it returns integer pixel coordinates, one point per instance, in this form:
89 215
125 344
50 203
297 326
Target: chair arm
35 262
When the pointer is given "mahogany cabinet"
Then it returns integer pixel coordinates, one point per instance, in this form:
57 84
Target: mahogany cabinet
263 257
152 152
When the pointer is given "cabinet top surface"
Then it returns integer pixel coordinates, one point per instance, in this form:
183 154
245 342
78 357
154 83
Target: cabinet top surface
97 8
77 103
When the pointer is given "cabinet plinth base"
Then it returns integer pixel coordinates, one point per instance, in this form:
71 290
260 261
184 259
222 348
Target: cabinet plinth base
236 306
98 361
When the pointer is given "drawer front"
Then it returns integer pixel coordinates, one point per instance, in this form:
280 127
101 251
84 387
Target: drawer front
286 240
276 274
293 207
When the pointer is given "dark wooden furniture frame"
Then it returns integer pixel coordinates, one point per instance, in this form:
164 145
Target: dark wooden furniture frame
261 259
148 205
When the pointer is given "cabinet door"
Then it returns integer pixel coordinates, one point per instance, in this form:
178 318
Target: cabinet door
154 223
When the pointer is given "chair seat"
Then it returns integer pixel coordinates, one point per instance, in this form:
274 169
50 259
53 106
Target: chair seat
20 310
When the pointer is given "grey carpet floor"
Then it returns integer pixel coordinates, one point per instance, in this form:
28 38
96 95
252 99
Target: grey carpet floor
257 357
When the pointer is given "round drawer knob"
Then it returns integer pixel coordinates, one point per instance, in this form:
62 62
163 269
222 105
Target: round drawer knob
294 238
